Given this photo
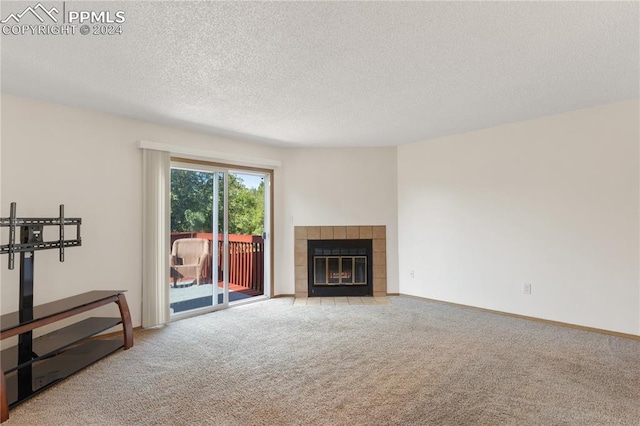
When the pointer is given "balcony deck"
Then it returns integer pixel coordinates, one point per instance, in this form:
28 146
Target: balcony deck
187 295
246 272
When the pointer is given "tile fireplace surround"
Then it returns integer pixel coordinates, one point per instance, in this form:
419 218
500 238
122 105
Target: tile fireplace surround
378 234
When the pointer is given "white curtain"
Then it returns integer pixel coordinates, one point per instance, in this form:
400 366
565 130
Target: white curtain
155 237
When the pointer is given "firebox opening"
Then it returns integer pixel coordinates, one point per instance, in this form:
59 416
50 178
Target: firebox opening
340 268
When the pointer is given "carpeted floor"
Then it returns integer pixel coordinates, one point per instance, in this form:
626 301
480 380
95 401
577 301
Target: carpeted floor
405 363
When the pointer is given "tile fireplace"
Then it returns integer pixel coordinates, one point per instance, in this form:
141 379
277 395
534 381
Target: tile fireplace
340 261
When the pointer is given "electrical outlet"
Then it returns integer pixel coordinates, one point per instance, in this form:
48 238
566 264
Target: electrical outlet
526 288
412 274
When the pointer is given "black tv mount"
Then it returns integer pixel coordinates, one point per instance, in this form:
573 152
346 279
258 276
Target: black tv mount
31 234
31 240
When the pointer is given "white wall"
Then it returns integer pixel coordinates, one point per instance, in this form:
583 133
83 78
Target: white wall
340 186
89 161
52 154
551 201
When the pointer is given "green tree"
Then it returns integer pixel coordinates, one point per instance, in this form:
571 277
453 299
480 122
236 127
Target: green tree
246 207
192 203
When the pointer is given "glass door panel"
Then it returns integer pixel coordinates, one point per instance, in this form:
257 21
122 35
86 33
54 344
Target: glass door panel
194 269
247 216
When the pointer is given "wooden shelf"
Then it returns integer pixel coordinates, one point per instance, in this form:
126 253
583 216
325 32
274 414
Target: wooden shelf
56 341
11 321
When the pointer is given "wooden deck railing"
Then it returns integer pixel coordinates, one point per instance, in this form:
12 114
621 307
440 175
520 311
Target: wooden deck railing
246 258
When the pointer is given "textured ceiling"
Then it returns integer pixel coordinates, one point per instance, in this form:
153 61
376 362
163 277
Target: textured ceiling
336 73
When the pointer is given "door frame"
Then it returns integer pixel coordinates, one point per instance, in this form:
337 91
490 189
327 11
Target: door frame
269 212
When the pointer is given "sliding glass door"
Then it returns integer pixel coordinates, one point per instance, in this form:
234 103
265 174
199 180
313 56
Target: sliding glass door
218 223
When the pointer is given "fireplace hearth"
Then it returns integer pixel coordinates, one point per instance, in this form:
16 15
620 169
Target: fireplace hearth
339 268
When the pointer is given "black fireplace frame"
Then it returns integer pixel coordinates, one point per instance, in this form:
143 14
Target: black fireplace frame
345 289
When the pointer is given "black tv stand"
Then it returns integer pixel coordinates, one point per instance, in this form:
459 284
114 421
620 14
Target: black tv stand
35 364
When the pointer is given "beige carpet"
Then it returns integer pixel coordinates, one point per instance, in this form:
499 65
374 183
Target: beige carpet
408 362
